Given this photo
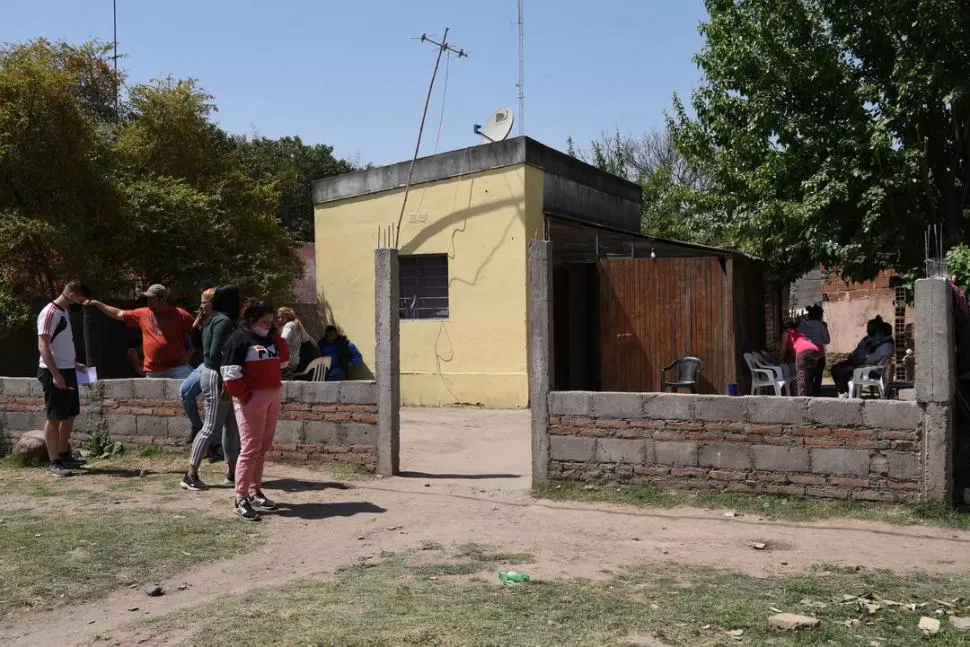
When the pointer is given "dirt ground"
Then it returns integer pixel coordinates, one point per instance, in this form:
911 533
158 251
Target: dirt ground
466 479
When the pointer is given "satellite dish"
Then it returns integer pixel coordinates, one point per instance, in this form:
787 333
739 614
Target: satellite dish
498 126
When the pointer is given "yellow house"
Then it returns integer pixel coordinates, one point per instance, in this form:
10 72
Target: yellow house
463 243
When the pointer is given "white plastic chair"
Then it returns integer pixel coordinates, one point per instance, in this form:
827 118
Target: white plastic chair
318 368
762 377
870 376
783 373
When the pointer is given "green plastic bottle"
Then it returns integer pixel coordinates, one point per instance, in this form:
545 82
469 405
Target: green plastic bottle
512 577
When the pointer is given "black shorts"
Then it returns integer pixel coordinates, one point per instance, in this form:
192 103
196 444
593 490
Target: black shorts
61 404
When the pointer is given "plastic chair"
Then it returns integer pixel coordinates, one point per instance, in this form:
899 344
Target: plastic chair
688 370
784 373
872 377
763 377
318 368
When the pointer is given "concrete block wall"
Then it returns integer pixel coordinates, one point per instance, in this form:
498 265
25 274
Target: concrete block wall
820 448
319 421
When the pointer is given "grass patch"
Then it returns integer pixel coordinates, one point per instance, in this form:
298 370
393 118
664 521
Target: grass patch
11 462
766 505
348 471
392 603
50 560
472 558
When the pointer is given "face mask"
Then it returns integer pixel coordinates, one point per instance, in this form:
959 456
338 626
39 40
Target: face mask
261 330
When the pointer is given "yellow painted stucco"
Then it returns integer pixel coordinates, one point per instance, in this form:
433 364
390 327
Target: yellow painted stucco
483 222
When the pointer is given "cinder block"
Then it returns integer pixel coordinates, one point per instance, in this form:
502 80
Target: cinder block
18 385
719 408
155 426
833 412
289 432
934 341
179 427
122 425
778 411
675 453
149 389
117 389
730 456
357 433
668 406
571 403
358 392
321 392
852 462
891 414
572 448
319 432
25 420
774 458
615 450
617 405
173 390
905 467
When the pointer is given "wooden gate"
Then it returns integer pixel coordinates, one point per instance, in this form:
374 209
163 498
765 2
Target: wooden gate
655 310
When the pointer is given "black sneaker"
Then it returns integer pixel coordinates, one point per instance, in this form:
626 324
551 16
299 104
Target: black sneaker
69 460
245 510
260 502
193 483
56 468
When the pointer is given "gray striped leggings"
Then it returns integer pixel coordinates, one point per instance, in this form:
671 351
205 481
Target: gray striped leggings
218 415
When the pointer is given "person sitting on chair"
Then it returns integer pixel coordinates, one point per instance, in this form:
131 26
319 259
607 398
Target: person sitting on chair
342 353
876 346
298 340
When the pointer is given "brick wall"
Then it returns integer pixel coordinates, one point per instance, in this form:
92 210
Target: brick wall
319 421
822 448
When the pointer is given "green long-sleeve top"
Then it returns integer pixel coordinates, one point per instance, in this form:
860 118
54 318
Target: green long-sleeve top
214 336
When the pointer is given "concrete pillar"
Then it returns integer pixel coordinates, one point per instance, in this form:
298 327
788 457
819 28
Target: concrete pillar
539 294
388 361
935 385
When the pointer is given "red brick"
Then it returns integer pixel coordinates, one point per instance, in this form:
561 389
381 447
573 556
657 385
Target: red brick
902 485
651 470
740 438
768 477
632 433
564 431
612 423
725 427
812 431
904 445
140 411
846 481
728 475
793 490
827 492
745 486
824 442
577 422
850 433
669 435
336 449
337 417
704 435
763 429
294 457
363 449
685 426
555 421
898 435
324 408
594 432
166 412
647 424
370 418
285 447
295 406
806 479
694 472
320 457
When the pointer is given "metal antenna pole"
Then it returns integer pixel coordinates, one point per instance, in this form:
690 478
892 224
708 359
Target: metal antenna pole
443 47
521 84
114 20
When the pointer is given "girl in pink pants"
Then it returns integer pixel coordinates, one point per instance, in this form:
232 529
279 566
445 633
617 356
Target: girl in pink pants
252 361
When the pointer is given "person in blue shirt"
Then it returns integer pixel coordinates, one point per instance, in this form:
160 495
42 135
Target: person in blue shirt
341 351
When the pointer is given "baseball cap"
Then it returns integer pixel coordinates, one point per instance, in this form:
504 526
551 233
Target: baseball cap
156 290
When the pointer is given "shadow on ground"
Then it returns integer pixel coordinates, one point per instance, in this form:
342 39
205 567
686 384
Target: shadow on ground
470 477
300 485
326 510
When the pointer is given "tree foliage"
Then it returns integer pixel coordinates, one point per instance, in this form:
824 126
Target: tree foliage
146 191
833 131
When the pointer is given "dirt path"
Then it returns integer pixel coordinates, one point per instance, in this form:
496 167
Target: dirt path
466 480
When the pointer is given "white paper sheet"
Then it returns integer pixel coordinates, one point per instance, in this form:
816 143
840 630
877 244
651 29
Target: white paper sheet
88 375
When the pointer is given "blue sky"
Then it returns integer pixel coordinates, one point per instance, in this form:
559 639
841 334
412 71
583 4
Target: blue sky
353 74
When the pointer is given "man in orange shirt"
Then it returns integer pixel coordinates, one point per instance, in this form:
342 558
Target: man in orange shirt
164 331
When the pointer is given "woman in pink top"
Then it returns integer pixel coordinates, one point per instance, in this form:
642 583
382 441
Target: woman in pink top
807 356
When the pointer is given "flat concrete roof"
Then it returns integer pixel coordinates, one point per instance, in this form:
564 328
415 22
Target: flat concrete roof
474 159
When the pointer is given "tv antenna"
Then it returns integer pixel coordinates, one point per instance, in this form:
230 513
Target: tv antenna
443 47
521 84
498 126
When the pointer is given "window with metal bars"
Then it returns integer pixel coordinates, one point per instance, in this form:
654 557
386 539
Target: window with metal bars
423 281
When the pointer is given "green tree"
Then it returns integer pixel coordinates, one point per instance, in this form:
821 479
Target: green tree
291 166
833 131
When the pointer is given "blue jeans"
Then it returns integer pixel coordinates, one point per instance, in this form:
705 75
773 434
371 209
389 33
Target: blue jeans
189 395
178 373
